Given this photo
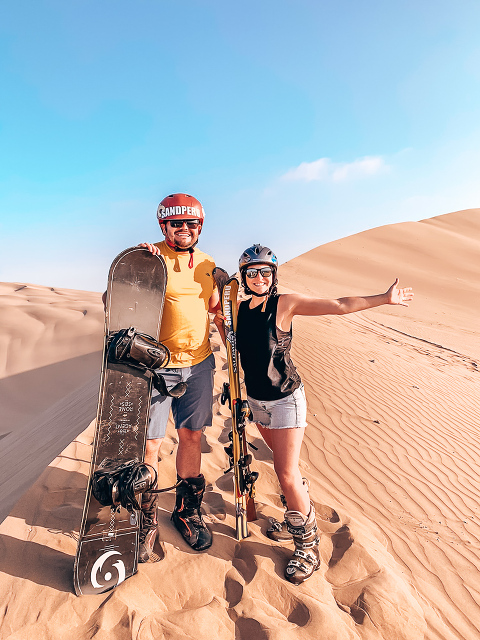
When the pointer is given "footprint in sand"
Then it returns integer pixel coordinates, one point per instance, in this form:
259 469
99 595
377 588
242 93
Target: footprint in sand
245 562
350 562
247 628
342 540
275 607
215 503
328 520
233 589
244 569
367 586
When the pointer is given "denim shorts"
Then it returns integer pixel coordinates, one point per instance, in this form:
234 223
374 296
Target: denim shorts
193 410
287 413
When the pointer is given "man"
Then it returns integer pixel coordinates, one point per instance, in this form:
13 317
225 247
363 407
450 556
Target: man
190 296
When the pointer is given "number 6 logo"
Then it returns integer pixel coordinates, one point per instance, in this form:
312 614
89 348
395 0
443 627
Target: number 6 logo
98 565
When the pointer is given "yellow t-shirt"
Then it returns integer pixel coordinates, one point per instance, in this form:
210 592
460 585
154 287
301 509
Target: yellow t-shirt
185 322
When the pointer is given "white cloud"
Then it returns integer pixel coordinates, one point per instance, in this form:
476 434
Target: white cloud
324 170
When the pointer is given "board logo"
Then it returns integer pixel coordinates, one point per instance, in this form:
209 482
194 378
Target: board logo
227 306
232 340
98 568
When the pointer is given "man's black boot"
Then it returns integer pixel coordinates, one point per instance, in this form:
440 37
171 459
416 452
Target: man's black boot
186 515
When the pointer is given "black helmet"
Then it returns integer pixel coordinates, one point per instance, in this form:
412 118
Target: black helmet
257 254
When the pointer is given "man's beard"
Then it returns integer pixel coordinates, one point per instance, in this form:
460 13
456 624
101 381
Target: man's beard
183 244
177 246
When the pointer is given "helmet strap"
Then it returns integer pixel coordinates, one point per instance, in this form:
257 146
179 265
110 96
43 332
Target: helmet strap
249 292
181 250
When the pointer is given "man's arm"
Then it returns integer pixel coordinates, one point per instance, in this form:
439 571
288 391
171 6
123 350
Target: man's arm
214 306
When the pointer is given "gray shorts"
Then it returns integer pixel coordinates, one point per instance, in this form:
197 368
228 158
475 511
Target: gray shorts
287 413
193 410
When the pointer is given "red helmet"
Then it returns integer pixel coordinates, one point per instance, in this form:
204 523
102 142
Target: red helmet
182 206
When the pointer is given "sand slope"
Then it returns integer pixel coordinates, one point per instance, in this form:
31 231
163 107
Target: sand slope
391 454
50 344
50 354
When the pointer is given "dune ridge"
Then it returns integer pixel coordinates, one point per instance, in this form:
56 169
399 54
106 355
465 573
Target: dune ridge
391 454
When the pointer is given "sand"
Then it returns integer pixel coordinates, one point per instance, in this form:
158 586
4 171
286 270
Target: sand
391 453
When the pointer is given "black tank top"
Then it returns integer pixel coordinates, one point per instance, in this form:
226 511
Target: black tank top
265 352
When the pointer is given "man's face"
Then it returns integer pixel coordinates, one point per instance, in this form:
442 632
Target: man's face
182 233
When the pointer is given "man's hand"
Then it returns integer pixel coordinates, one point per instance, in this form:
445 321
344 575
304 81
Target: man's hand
399 296
151 247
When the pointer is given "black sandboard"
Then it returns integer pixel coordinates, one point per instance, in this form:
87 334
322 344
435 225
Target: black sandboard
107 551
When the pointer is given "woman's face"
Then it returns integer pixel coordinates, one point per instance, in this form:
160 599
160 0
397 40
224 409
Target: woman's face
259 283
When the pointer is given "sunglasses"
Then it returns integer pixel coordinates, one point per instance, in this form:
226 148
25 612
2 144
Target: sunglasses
264 271
178 224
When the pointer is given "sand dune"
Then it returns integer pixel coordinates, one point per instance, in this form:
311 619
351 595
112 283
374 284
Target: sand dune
391 454
49 370
438 257
50 344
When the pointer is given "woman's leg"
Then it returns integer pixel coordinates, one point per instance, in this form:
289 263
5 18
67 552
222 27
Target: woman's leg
265 433
286 445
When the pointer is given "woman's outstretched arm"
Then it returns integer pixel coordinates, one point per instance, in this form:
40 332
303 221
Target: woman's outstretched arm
293 304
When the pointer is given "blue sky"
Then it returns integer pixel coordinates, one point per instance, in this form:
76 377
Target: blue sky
294 123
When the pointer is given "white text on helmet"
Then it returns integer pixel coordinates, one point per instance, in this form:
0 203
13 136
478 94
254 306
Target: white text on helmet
181 211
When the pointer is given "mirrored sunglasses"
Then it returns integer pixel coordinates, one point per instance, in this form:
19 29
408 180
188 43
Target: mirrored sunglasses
178 224
264 271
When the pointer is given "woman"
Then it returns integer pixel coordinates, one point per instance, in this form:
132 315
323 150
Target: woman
275 391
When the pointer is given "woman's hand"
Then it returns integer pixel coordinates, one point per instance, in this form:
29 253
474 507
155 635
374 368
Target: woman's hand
399 296
219 316
218 321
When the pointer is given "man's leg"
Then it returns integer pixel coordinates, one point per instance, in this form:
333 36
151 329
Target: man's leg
187 516
152 451
189 453
192 412
159 412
